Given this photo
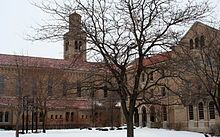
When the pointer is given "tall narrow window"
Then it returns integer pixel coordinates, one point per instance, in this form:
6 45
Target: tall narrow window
67 116
202 41
201 111
1 116
191 115
164 110
6 116
196 42
191 44
211 110
2 80
152 114
72 116
76 45
78 87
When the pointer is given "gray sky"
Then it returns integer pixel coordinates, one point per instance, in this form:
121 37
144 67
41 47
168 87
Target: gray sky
16 18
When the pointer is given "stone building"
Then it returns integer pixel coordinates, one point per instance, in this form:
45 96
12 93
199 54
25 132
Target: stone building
70 92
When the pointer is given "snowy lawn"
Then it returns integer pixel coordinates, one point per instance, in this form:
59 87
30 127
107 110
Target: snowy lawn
139 132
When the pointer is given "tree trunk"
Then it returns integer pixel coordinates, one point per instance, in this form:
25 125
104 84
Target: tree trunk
17 123
130 129
44 121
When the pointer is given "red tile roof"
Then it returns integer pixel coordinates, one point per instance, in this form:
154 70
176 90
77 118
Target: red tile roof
14 60
157 58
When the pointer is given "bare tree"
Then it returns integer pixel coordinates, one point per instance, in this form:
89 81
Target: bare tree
123 31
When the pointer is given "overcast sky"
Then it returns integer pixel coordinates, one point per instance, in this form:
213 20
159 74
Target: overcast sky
16 18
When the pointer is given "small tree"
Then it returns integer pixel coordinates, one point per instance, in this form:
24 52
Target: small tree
123 31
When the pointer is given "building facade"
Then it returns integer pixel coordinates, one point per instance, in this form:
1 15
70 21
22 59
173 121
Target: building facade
70 93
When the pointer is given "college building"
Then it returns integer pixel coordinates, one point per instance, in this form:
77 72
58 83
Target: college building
70 92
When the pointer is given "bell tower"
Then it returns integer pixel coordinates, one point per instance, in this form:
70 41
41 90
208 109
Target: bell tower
75 40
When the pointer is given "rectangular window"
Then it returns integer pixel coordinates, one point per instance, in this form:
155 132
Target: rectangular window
191 115
67 116
2 80
6 116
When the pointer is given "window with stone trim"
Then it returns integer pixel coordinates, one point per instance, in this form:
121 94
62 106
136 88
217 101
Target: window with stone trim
201 111
191 114
211 110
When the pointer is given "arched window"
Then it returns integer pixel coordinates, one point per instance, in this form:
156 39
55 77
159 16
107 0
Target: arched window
211 110
201 111
202 41
6 116
191 44
144 117
164 110
196 42
136 117
191 114
152 114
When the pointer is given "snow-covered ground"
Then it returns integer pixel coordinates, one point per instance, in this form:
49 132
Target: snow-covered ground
139 132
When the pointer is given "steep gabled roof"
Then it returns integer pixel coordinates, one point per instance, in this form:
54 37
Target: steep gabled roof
198 26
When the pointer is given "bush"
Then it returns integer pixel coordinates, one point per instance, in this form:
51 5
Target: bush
214 129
